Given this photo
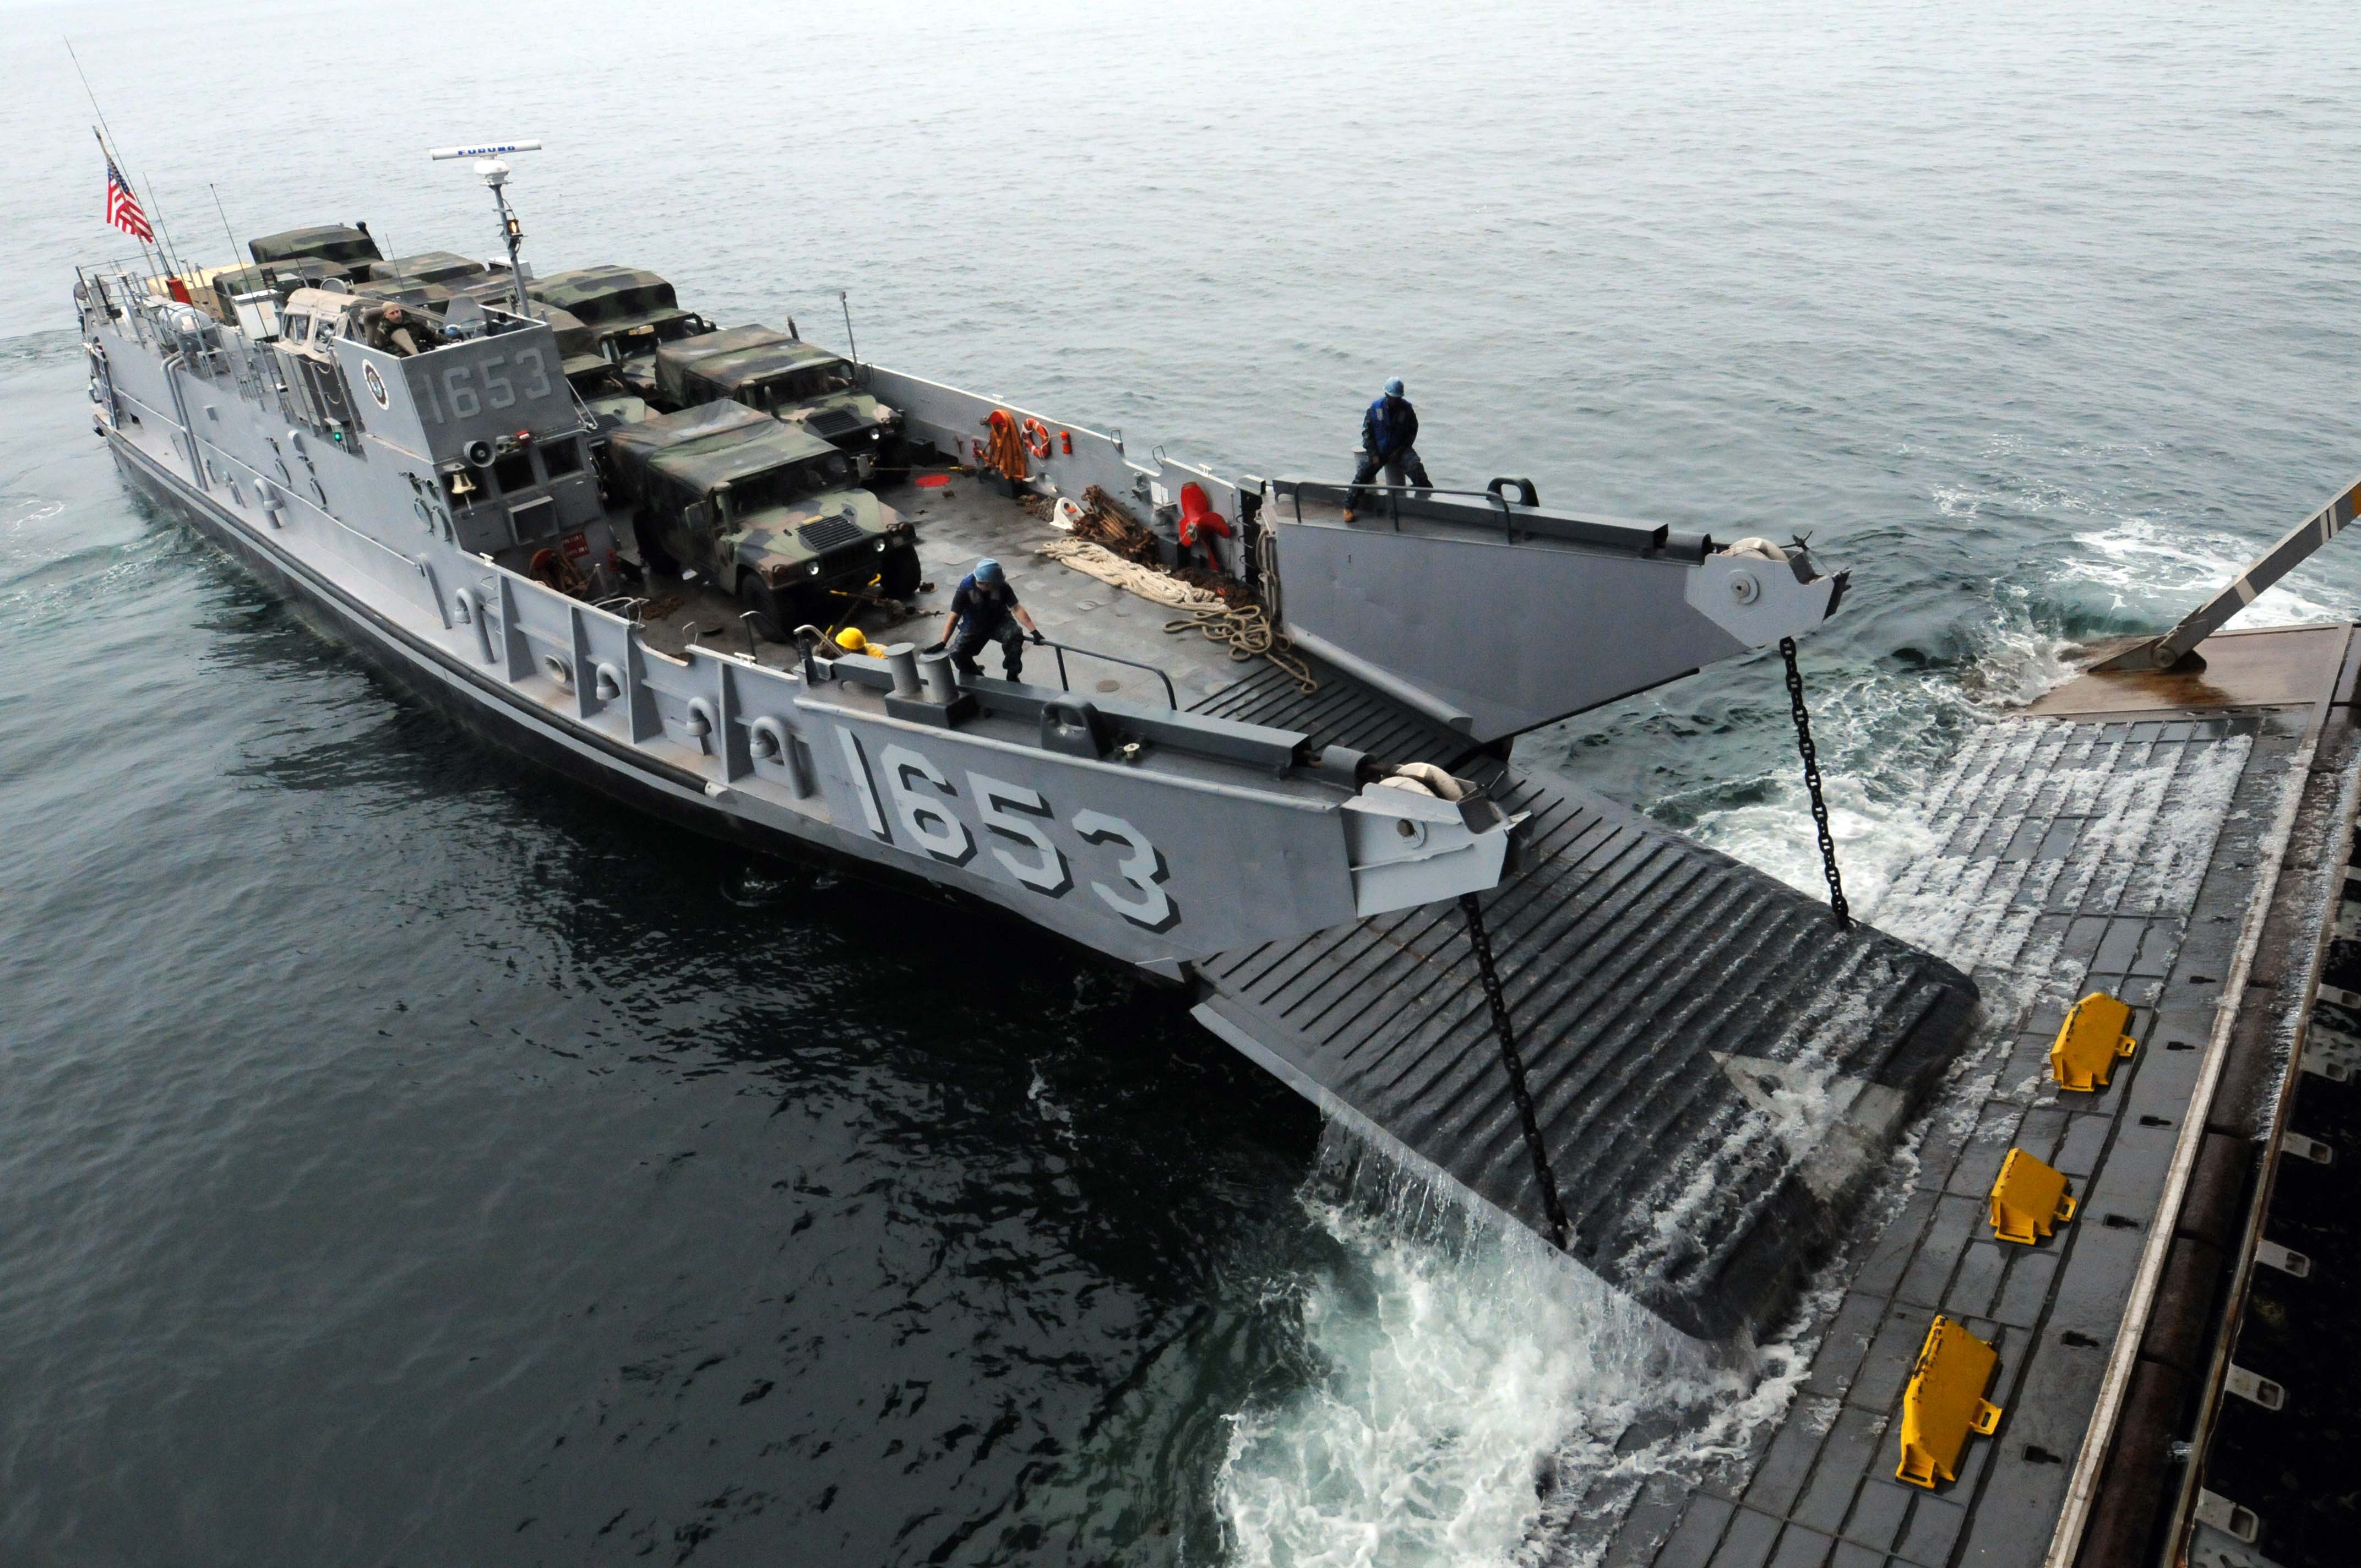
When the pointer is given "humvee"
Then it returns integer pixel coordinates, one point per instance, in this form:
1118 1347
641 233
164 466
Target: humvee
351 249
774 373
279 277
765 510
448 267
596 379
629 311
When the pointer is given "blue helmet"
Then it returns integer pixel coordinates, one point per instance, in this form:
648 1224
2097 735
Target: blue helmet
1393 388
988 571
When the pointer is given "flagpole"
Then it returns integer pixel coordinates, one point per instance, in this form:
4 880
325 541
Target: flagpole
155 260
105 133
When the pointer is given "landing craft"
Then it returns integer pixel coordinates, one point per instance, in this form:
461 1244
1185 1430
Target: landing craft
648 602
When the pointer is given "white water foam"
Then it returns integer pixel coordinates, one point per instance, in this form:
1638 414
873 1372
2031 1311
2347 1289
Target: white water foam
1473 1396
2159 571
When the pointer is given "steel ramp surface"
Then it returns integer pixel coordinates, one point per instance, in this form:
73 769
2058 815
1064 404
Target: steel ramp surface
1714 1065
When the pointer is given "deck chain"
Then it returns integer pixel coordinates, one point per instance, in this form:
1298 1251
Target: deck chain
1552 1205
1811 756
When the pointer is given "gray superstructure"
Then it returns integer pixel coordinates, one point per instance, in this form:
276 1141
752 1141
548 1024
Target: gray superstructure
437 495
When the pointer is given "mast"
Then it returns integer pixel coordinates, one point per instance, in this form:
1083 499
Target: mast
496 175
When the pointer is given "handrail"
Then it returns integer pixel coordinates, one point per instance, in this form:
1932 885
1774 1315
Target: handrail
1394 495
1062 649
1647 539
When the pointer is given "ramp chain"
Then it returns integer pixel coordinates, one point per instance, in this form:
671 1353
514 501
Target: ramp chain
1481 941
1802 715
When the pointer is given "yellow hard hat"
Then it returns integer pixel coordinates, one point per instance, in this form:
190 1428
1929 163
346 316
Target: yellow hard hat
852 641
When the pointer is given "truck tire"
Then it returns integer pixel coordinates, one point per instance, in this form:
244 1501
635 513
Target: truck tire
757 597
651 555
902 574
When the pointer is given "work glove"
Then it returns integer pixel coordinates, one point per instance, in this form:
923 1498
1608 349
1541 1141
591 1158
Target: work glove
1036 638
932 648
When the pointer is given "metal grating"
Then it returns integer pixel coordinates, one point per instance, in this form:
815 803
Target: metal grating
828 532
832 424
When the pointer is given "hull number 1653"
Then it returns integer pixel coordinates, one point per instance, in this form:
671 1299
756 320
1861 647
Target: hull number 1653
1014 821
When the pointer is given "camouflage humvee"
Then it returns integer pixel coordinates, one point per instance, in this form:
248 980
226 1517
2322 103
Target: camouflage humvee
629 311
281 278
446 268
351 249
597 379
762 509
776 374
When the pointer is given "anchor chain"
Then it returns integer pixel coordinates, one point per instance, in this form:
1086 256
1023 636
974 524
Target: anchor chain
1811 756
1477 937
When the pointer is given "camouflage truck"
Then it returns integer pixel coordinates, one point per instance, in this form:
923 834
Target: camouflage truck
349 247
281 278
446 268
777 373
762 509
596 379
630 312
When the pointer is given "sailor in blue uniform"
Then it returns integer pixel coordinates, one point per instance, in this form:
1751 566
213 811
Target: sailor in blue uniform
985 609
1388 434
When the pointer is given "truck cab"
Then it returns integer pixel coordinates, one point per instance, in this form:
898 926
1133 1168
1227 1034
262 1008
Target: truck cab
774 373
629 310
765 510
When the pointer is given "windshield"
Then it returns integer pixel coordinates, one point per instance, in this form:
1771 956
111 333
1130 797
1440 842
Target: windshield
787 486
784 391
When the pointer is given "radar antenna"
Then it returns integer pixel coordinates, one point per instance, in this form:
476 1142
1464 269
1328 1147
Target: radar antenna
495 174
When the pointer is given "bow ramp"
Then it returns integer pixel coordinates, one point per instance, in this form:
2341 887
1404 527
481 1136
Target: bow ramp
1714 1065
1491 616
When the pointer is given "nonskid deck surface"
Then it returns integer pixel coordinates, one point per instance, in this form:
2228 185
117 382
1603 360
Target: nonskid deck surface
959 522
2079 854
1662 994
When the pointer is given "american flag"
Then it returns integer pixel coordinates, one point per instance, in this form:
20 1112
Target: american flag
123 207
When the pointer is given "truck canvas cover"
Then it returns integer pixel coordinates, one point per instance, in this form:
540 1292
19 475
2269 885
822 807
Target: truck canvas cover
713 443
731 358
330 242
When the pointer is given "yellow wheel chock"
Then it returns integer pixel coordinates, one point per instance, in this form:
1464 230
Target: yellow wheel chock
2028 1199
2089 1042
1945 1402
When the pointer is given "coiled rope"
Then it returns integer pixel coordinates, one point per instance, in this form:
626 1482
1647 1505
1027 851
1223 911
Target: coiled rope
1244 629
1249 634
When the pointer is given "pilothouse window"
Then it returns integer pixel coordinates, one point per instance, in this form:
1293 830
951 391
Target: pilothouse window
293 328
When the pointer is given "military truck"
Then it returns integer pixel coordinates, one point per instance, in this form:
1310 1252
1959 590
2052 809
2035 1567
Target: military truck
596 379
448 267
349 247
765 510
775 373
629 310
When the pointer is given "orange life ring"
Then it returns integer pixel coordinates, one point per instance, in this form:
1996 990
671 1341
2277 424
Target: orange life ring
1036 438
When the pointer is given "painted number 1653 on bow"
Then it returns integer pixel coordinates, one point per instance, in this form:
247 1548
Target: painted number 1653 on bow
928 818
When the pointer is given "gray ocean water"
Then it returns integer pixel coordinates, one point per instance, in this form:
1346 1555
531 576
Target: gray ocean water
405 1159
